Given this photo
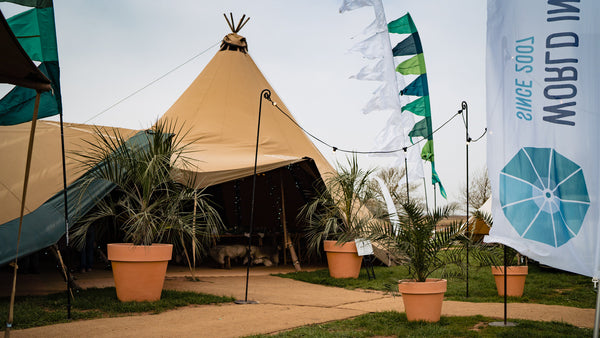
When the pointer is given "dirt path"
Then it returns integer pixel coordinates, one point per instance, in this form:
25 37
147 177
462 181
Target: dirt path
283 304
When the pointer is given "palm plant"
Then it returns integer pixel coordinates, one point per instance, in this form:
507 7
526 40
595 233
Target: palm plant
338 211
148 203
416 239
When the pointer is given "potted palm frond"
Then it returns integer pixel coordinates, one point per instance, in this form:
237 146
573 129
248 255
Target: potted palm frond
427 247
149 205
337 216
497 256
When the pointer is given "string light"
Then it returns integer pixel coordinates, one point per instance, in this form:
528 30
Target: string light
334 148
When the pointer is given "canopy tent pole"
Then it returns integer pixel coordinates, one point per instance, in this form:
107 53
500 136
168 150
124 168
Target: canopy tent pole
9 322
286 236
64 167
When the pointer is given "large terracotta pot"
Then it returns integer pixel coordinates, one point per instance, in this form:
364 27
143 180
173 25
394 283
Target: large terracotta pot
423 300
515 279
343 260
139 270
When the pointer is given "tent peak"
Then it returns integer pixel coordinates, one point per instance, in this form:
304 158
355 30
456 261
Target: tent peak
233 41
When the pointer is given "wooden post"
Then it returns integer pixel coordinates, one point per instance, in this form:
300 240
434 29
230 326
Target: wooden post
11 306
66 274
286 237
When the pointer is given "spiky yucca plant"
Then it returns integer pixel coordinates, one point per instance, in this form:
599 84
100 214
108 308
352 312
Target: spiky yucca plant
148 203
338 211
416 239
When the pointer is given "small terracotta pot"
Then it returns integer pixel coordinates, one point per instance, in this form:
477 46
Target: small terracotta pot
515 279
423 300
139 270
343 260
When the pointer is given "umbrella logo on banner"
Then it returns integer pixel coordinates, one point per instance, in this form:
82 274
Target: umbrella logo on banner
543 195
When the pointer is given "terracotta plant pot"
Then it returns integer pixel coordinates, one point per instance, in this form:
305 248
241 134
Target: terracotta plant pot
515 279
139 270
423 300
343 260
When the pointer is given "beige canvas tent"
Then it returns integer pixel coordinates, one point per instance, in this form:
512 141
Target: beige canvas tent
220 109
46 177
44 222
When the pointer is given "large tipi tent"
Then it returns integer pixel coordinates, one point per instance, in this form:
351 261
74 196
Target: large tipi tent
220 109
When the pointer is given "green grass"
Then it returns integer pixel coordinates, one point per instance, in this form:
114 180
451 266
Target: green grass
385 324
542 286
92 303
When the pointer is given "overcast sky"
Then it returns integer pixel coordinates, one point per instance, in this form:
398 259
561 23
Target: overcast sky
110 49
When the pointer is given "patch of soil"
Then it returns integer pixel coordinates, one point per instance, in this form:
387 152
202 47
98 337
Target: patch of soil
479 326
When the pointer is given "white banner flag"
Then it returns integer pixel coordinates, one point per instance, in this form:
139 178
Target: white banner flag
543 116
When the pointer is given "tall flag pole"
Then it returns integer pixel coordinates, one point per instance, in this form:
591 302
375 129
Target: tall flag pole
542 112
406 102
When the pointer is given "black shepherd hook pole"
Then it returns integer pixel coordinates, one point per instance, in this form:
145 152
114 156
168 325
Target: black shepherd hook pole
265 93
465 110
406 174
64 167
505 322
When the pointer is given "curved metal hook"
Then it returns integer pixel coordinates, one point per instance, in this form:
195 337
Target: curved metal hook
266 93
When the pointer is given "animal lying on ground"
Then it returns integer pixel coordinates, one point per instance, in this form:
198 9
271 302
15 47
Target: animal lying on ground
224 254
266 255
